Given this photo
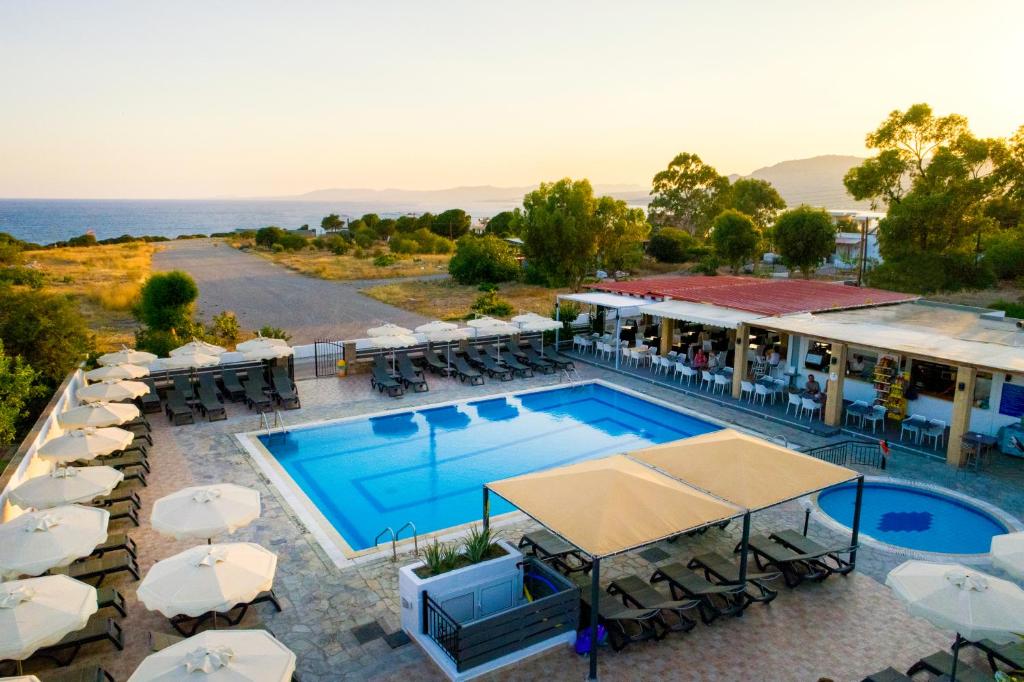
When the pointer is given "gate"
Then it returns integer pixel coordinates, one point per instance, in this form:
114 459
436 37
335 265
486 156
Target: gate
326 354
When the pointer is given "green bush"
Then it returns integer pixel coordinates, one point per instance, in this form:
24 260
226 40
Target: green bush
272 332
492 304
708 265
1005 255
336 244
364 237
83 240
268 236
156 341
672 245
46 330
16 274
927 273
225 327
1012 309
293 242
166 299
483 259
384 260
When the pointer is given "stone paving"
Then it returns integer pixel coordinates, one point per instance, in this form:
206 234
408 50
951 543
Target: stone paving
841 629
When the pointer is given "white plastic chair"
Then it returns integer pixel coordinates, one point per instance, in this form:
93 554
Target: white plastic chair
708 378
912 428
779 387
722 381
688 373
936 430
636 357
763 394
877 414
859 417
747 389
810 407
794 402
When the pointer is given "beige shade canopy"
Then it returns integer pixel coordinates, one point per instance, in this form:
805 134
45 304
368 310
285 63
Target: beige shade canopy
87 443
98 414
116 372
747 471
66 485
222 656
38 612
112 390
611 505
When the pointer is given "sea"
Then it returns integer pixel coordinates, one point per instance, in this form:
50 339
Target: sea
45 221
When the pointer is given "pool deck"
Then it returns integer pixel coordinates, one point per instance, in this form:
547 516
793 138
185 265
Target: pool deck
336 619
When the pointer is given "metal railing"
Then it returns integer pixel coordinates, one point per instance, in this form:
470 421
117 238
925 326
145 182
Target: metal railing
441 628
390 532
278 424
851 452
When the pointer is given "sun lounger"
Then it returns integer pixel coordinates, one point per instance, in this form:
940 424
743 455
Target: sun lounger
1011 655
436 364
256 393
537 362
638 593
382 380
138 425
134 459
98 629
547 546
184 387
551 354
623 624
464 371
887 675
284 389
489 364
516 366
232 385
177 409
796 567
90 673
99 569
715 600
725 571
150 402
411 376
473 355
941 663
188 625
126 495
799 542
109 598
210 402
114 542
124 511
136 475
236 614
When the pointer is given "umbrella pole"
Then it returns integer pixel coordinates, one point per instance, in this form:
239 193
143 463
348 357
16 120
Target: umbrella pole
855 534
595 596
956 656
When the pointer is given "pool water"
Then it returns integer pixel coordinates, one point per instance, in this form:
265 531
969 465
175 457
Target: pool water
428 466
915 518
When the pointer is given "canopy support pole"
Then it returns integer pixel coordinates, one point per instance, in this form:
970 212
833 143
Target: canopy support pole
743 552
487 509
956 656
595 595
618 332
558 318
855 536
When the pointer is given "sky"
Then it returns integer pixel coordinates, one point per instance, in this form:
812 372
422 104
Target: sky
248 98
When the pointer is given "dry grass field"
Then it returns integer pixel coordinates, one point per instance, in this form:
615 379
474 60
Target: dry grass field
446 300
326 265
105 280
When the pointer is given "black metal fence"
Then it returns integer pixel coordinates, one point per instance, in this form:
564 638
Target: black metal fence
552 612
851 453
326 355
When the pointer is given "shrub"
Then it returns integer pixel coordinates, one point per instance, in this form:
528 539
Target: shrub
268 236
46 330
364 237
403 245
225 327
708 265
440 557
272 332
18 386
483 259
671 245
83 240
10 253
927 273
384 260
16 274
1012 309
165 301
336 244
492 304
293 242
735 238
1005 255
277 248
156 341
477 544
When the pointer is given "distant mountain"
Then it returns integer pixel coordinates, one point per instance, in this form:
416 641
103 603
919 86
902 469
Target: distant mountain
817 181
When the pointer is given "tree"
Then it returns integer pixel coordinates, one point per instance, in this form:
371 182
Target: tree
18 386
735 238
332 223
371 220
805 236
671 245
268 236
384 228
46 330
688 195
560 232
405 223
758 199
621 234
483 259
165 302
502 224
452 223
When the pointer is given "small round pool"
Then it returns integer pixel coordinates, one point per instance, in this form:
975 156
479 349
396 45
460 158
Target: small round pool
913 517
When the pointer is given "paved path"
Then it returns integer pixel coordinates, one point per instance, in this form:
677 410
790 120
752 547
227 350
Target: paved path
260 293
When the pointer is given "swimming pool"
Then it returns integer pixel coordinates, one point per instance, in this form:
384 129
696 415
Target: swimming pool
428 465
914 517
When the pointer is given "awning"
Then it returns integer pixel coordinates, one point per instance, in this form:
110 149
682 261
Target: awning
611 505
744 470
713 315
626 305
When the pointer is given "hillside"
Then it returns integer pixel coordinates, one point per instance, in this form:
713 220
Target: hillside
817 181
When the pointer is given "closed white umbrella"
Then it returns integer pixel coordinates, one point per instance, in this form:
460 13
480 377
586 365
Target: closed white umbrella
220 656
1008 553
66 485
489 326
87 443
268 353
205 511
208 578
953 597
437 326
39 612
394 342
388 330
112 390
197 346
126 356
98 415
116 372
189 360
258 342
38 541
532 322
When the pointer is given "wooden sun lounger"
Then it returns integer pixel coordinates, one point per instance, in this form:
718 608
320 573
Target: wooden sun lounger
638 593
137 475
715 599
725 571
516 366
188 626
177 409
90 673
383 381
232 385
802 544
109 598
99 569
98 629
138 425
464 371
796 567
941 663
623 624
548 547
411 377
284 389
119 463
120 494
1011 655
435 364
150 402
114 542
255 393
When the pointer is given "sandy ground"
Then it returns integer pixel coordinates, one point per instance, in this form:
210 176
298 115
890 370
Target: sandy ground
260 293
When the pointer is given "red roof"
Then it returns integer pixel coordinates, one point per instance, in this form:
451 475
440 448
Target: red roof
763 296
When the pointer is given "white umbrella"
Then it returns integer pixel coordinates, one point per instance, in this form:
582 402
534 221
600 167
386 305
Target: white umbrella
268 353
532 322
258 342
116 372
388 330
66 485
40 611
190 360
127 356
220 655
196 346
98 415
393 342
953 597
112 390
205 511
1008 553
435 327
41 540
87 443
489 326
208 578
444 332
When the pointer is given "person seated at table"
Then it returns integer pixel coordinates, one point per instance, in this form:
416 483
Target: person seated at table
712 362
812 388
699 359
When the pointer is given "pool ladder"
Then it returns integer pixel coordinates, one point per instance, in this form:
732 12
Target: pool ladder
278 423
394 539
571 376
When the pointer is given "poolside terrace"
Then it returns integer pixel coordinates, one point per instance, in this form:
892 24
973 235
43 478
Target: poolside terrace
342 621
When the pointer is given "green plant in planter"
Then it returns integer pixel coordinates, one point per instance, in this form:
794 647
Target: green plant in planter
440 557
478 544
